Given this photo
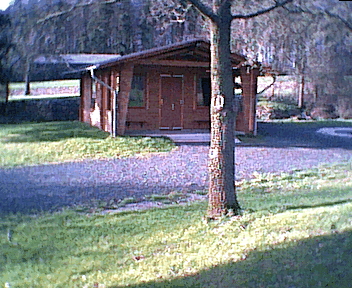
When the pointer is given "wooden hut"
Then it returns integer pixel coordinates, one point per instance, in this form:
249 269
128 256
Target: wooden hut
165 88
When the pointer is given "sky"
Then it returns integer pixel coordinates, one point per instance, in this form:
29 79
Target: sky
4 4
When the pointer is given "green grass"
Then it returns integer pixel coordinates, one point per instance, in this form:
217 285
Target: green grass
40 97
295 232
17 89
50 142
46 84
327 185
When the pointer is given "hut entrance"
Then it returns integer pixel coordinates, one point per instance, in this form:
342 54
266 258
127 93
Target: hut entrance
171 102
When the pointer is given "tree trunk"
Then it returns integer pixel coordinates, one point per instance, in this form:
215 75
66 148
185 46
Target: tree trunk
222 196
316 93
7 95
301 92
7 91
27 80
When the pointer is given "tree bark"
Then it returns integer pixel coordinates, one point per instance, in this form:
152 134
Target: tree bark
222 196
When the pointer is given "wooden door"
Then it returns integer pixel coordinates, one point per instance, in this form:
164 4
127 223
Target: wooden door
171 102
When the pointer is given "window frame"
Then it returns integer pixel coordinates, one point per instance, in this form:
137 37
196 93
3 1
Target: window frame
144 90
200 91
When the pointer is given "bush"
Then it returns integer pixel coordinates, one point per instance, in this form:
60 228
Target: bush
324 111
344 107
2 93
277 109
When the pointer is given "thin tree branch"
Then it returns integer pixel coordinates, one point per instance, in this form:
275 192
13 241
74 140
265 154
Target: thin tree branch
204 9
260 12
74 7
338 17
267 87
298 10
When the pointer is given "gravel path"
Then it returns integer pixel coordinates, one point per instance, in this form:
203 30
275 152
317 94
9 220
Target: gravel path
48 187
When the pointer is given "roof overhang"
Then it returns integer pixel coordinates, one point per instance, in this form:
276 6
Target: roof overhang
192 53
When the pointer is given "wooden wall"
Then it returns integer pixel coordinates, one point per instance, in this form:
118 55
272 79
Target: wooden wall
192 113
148 117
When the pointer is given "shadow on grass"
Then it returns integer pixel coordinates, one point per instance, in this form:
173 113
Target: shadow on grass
49 131
296 199
322 261
327 204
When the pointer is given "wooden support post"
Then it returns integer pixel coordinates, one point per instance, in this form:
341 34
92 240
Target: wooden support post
249 78
115 83
126 76
86 98
104 98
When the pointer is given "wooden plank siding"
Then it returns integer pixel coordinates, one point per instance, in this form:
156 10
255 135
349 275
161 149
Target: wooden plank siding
193 116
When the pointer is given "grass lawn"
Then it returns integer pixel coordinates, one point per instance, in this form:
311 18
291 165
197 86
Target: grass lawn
41 97
46 84
295 231
59 89
49 142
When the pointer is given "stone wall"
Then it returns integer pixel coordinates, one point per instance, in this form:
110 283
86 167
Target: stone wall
58 109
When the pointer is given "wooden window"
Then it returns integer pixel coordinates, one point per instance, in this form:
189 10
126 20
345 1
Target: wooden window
203 92
137 94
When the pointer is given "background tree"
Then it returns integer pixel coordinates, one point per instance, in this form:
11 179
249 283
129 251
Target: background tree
5 46
309 39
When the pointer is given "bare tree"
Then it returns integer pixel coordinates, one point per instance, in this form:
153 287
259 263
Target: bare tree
222 194
307 38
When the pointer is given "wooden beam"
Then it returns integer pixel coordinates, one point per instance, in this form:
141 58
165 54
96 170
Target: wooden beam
173 53
249 91
196 52
174 63
204 54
